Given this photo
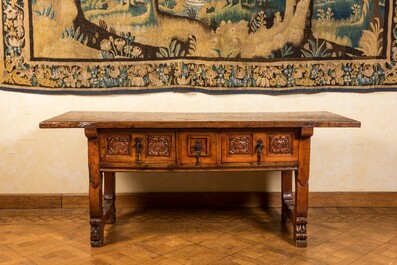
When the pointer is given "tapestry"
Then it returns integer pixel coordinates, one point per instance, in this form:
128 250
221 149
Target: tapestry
213 46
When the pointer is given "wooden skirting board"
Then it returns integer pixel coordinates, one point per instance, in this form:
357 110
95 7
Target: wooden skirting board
200 199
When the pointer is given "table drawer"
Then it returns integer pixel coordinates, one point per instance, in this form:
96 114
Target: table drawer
197 147
240 146
259 146
138 147
282 145
116 146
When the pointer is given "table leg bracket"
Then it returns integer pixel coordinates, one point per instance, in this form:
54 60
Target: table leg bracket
109 209
287 208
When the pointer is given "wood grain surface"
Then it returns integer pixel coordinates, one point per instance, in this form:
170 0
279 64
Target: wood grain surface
98 119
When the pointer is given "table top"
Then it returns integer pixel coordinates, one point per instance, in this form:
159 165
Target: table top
100 119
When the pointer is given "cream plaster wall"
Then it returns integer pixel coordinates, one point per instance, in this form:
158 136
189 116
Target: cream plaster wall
33 160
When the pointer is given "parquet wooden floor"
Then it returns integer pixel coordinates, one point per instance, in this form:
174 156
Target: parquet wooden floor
199 236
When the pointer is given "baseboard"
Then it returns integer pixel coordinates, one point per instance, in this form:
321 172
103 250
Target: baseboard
200 199
30 201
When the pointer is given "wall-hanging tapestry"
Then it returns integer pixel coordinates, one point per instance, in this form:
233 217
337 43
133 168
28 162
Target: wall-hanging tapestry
219 46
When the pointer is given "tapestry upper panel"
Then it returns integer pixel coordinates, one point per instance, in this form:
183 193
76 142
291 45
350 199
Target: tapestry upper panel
218 46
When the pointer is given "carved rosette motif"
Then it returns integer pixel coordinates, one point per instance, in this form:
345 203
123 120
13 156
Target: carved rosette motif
239 145
118 145
158 146
280 145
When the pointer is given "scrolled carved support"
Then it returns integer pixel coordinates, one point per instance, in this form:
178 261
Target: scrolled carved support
96 232
288 206
109 209
286 196
301 232
107 202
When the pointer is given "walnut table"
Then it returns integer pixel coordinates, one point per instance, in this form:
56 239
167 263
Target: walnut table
164 142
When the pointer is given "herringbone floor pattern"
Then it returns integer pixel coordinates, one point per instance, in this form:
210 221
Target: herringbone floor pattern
199 236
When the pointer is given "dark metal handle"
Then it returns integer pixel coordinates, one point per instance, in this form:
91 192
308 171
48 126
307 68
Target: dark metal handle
138 148
197 149
259 147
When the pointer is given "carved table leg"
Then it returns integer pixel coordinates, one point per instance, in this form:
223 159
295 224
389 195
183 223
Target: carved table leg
110 197
287 201
95 189
302 189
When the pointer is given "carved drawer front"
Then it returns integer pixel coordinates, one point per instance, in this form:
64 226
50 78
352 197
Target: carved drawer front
138 147
282 145
116 146
155 147
242 146
197 147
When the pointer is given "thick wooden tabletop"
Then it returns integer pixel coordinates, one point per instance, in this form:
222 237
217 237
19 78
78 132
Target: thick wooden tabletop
98 119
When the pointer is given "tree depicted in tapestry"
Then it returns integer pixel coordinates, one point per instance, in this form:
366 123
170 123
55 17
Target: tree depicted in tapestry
213 45
228 29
